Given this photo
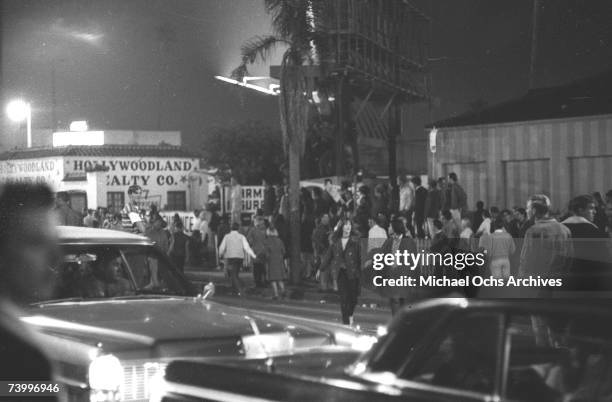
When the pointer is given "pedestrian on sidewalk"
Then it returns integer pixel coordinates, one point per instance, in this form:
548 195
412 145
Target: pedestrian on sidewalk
420 197
275 256
233 248
458 198
179 244
343 258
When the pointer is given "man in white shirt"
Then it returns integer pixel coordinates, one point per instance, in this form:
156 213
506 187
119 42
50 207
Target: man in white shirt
377 234
232 248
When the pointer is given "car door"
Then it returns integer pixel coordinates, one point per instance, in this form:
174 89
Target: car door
459 361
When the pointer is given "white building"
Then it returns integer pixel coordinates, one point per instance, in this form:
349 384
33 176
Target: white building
97 168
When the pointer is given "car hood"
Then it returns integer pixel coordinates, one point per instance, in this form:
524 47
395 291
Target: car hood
148 322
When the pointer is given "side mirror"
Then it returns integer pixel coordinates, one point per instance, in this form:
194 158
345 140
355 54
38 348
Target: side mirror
208 291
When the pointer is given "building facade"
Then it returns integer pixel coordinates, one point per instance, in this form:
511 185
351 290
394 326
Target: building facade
556 141
100 175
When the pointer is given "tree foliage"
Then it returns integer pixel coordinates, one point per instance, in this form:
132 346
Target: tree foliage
250 151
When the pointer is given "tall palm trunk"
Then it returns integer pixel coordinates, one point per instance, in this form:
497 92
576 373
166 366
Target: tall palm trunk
294 120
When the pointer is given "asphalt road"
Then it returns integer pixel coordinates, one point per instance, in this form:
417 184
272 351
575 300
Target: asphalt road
366 318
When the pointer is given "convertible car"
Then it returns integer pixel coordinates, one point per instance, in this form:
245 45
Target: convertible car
120 311
440 350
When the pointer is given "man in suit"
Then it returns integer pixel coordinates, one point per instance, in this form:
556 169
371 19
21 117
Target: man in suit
420 197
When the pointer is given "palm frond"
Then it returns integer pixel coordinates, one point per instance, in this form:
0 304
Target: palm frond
256 48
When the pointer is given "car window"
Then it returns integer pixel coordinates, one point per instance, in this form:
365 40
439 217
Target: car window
463 356
151 271
555 358
93 272
392 350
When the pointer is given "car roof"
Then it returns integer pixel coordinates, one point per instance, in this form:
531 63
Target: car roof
589 307
80 235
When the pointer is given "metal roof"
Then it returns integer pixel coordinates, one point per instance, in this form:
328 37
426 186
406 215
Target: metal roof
162 151
586 97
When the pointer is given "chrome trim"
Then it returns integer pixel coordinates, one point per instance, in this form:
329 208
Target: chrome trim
408 384
210 394
44 322
71 382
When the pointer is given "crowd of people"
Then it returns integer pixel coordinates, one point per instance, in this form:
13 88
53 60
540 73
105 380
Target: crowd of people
342 225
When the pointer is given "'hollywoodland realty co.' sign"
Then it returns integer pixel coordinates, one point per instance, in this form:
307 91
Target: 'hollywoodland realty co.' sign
144 172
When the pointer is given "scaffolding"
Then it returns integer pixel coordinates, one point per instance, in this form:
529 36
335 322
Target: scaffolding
381 44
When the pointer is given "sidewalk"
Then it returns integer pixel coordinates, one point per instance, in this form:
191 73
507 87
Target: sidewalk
305 291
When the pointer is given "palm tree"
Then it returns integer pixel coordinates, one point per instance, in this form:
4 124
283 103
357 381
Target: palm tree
293 29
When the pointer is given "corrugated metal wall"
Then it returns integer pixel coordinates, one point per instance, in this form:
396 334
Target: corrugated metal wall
503 164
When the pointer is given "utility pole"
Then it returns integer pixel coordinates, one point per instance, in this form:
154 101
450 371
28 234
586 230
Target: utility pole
537 4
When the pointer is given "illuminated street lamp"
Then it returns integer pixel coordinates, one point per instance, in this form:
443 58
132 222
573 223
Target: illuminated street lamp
19 110
271 89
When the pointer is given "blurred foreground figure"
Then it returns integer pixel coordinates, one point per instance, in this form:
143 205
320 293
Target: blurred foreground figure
28 248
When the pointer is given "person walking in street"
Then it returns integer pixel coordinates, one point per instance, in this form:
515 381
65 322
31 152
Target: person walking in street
233 248
420 197
433 206
398 242
275 256
320 244
179 245
499 247
343 258
590 268
257 240
458 198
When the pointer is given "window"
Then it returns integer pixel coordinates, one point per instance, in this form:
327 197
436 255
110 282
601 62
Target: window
464 356
115 200
177 201
559 358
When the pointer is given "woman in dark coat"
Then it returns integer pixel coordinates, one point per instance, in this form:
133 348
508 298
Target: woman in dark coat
275 256
343 258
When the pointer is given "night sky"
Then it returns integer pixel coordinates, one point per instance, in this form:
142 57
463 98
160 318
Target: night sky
112 59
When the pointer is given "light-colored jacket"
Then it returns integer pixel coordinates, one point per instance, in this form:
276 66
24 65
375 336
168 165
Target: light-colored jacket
235 245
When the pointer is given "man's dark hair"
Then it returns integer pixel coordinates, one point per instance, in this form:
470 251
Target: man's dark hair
540 204
235 226
494 210
63 195
437 224
521 211
327 181
446 214
453 176
580 202
433 183
416 180
381 220
16 200
398 226
479 205
497 224
134 189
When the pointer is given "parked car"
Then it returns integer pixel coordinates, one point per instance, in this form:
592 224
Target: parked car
440 350
121 311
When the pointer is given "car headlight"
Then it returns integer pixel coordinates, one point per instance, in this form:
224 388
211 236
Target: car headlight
105 378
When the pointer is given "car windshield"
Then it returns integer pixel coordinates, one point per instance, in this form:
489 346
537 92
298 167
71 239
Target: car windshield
104 272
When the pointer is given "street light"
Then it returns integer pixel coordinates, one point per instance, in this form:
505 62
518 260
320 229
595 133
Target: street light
271 89
19 110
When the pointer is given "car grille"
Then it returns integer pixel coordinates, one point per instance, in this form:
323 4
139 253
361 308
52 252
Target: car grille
138 378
